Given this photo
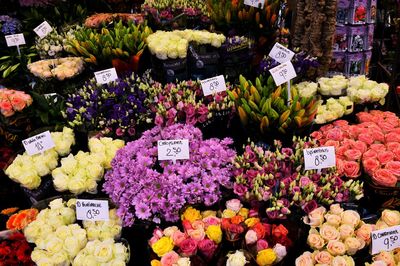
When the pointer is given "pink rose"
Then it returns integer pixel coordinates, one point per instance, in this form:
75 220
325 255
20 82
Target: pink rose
6 109
251 237
178 237
339 166
361 146
211 220
340 123
353 155
378 135
353 131
370 154
326 128
384 177
341 150
371 165
351 169
153 240
364 117
234 205
394 168
391 146
392 137
262 244
207 247
169 258
18 104
385 126
378 147
333 143
317 135
335 134
188 247
396 153
385 156
366 138
197 234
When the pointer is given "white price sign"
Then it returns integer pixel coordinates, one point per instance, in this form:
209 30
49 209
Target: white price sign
280 53
38 143
385 239
255 3
176 149
283 73
213 85
92 210
43 29
106 76
15 39
319 158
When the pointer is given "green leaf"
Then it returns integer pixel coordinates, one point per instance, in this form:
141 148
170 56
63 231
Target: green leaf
44 117
7 72
14 67
40 100
5 57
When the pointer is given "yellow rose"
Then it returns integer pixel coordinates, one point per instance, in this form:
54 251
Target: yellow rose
214 233
266 257
155 263
228 213
315 241
391 218
244 212
191 214
251 221
353 245
350 217
208 213
336 248
163 246
329 232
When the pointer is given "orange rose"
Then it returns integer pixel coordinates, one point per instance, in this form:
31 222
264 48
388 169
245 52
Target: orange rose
237 219
279 231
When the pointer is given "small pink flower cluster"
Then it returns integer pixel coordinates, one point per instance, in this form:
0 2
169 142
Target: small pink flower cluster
374 142
12 101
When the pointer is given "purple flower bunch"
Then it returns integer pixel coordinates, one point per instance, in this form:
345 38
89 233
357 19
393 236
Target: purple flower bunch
36 3
184 102
278 177
10 25
147 189
119 107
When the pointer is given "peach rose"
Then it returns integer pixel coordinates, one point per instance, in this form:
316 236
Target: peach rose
386 257
305 259
384 177
336 248
178 237
339 166
361 146
370 154
335 209
386 127
315 241
366 138
350 217
353 245
18 104
329 232
391 146
351 169
333 219
378 135
353 154
346 230
197 234
316 217
385 156
396 153
343 261
335 134
364 232
371 165
333 143
6 109
323 257
394 167
390 217
377 147
392 137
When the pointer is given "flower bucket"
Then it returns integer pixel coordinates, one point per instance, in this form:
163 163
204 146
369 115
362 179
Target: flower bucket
169 70
130 65
236 60
203 61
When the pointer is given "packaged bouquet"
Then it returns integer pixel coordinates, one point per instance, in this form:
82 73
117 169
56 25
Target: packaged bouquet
60 68
334 109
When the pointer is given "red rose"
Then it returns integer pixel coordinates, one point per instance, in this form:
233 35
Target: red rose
225 222
353 155
385 156
371 165
370 154
207 247
384 177
392 137
279 231
235 229
188 247
378 147
393 167
351 169
366 138
361 146
391 146
259 229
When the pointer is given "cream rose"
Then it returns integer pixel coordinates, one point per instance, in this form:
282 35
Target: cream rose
333 219
353 245
390 217
315 241
328 232
236 259
316 217
305 259
343 261
336 248
322 257
103 251
345 231
364 232
350 217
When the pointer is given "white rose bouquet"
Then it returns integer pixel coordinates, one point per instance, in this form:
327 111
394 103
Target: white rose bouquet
60 68
102 230
106 148
334 109
102 252
79 173
334 86
306 89
362 90
63 141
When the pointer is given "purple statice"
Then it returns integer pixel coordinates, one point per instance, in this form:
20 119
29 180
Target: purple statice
117 108
147 189
10 25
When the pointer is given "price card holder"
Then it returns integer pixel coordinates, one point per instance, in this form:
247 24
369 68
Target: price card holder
213 85
92 210
106 76
15 39
255 3
386 239
43 29
283 73
319 158
38 143
177 149
280 53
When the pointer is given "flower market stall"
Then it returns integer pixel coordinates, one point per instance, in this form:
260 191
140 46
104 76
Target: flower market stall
202 133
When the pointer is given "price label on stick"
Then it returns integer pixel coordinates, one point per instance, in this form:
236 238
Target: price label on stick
177 149
319 158
15 39
92 210
38 143
43 29
106 76
213 85
255 3
283 73
280 53
385 239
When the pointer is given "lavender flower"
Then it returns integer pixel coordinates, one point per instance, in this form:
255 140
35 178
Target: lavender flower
147 189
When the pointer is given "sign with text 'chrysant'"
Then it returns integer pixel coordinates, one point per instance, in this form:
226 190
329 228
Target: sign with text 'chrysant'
176 149
385 239
319 158
38 143
92 210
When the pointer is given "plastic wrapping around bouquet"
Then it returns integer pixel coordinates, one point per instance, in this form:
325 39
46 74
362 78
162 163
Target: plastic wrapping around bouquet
44 191
169 70
236 61
203 61
14 129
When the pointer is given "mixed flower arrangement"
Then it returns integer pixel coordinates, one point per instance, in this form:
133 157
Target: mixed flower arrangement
13 101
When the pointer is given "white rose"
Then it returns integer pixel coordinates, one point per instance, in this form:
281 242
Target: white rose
44 262
63 232
280 252
120 251
117 262
53 244
85 260
183 262
236 259
60 259
72 246
104 251
68 215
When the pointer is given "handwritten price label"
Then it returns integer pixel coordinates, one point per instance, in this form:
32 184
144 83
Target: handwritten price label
385 239
283 73
255 3
92 210
15 39
173 149
213 85
106 76
43 29
280 53
38 143
319 158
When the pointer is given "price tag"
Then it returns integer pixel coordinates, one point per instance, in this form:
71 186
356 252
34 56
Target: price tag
280 53
213 85
283 73
38 143
255 3
43 29
15 39
385 239
319 158
92 210
106 76
176 149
